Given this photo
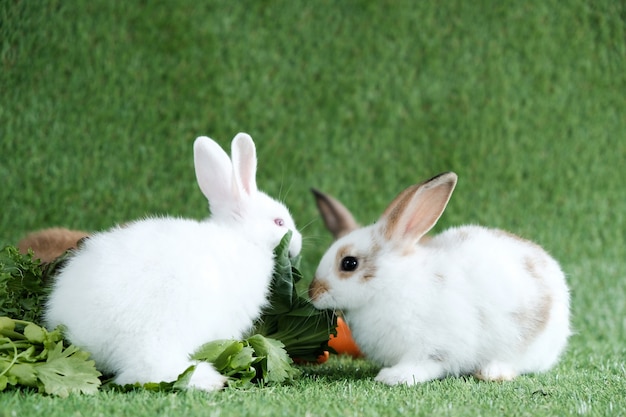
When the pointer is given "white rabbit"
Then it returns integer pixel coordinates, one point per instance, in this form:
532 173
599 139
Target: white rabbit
143 297
470 300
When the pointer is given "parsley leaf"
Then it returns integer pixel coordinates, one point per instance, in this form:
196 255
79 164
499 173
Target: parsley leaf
30 356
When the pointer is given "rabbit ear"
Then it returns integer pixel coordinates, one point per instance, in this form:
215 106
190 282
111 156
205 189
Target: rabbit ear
416 210
214 171
244 162
337 218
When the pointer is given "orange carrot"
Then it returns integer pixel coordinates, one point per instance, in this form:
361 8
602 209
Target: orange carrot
343 342
323 358
320 359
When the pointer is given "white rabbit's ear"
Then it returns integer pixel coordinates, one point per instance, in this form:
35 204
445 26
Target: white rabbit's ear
416 210
337 218
214 171
243 153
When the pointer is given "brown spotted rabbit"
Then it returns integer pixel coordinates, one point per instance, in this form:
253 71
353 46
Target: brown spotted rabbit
471 300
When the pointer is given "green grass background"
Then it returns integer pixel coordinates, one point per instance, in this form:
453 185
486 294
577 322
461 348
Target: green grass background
101 100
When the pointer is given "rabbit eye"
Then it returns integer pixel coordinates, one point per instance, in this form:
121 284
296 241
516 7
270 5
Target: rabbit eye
279 222
349 263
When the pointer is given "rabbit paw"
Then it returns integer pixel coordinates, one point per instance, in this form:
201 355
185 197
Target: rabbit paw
206 378
496 371
410 374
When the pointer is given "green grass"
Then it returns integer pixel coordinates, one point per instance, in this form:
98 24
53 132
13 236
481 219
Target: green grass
100 102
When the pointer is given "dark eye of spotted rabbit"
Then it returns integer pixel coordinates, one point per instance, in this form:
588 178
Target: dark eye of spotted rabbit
349 264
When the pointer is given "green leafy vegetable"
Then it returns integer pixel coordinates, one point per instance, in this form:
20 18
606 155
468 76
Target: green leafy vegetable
256 358
24 283
276 363
291 318
180 384
33 357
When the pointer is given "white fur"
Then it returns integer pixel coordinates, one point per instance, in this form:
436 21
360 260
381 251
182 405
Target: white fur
459 303
143 297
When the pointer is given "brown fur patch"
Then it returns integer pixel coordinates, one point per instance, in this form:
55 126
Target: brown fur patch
49 244
344 251
532 266
366 269
369 268
533 320
317 288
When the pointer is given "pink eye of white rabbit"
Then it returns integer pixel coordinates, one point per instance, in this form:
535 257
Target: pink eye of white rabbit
279 222
349 263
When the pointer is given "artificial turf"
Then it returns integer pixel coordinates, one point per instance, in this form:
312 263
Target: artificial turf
100 102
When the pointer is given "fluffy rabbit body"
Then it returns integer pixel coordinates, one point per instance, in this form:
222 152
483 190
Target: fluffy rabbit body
470 300
143 297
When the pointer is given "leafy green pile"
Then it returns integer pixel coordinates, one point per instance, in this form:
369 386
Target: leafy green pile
256 358
23 286
33 357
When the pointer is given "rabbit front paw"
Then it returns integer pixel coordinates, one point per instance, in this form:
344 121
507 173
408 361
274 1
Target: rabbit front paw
410 374
496 371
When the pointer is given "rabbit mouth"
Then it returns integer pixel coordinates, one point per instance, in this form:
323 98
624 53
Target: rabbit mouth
295 245
319 293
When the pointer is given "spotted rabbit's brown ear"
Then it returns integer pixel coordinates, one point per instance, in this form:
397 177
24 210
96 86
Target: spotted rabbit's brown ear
337 218
416 209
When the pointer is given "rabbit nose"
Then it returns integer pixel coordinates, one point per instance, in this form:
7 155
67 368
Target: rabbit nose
317 288
295 245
